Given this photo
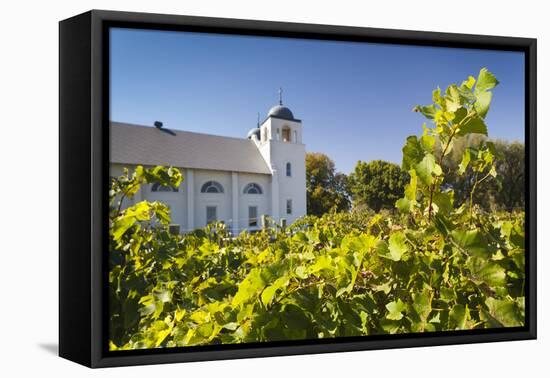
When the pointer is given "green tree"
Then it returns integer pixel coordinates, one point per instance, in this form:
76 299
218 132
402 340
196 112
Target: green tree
377 184
326 188
506 191
509 189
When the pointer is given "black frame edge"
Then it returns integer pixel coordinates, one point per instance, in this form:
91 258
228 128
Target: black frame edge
89 255
531 179
75 272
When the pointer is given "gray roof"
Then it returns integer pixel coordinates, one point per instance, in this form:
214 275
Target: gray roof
281 112
133 144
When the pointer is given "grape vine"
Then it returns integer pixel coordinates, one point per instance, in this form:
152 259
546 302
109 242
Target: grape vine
432 265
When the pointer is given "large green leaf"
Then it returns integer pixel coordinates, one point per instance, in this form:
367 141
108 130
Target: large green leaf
465 162
249 288
459 315
395 310
487 271
444 201
473 242
270 291
427 169
428 111
505 311
422 303
483 101
413 153
121 225
485 81
474 125
397 246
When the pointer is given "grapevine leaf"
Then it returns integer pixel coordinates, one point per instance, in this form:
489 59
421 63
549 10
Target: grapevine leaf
469 83
459 115
505 311
427 142
444 201
459 315
422 304
442 224
404 205
412 153
436 97
251 286
453 99
464 163
428 111
397 246
395 310
427 169
483 102
474 125
486 271
121 225
473 242
270 291
485 81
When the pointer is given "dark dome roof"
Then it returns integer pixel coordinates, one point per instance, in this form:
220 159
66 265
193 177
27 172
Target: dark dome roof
281 112
254 131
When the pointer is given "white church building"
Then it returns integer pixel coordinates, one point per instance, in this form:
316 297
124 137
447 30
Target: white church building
234 180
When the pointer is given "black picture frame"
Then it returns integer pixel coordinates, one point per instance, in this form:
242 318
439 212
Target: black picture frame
83 167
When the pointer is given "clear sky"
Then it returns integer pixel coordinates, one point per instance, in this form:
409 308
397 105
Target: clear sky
355 100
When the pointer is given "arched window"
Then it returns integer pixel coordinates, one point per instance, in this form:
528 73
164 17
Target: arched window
286 134
157 187
288 169
212 187
252 188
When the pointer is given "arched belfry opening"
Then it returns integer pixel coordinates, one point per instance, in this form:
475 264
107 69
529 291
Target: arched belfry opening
286 134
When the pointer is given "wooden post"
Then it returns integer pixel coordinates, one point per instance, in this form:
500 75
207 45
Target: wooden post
174 229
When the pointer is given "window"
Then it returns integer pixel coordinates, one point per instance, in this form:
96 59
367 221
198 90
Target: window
288 169
286 134
252 216
289 206
252 188
212 187
295 136
157 187
211 214
278 135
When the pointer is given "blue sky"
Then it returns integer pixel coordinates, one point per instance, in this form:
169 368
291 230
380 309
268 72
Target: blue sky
354 99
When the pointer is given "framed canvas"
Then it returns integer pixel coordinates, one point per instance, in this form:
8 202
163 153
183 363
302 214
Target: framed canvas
235 188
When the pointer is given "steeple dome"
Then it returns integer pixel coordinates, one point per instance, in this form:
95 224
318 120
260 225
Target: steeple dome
281 111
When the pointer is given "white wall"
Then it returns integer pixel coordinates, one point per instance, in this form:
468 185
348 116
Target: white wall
177 201
262 201
293 187
278 153
29 140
